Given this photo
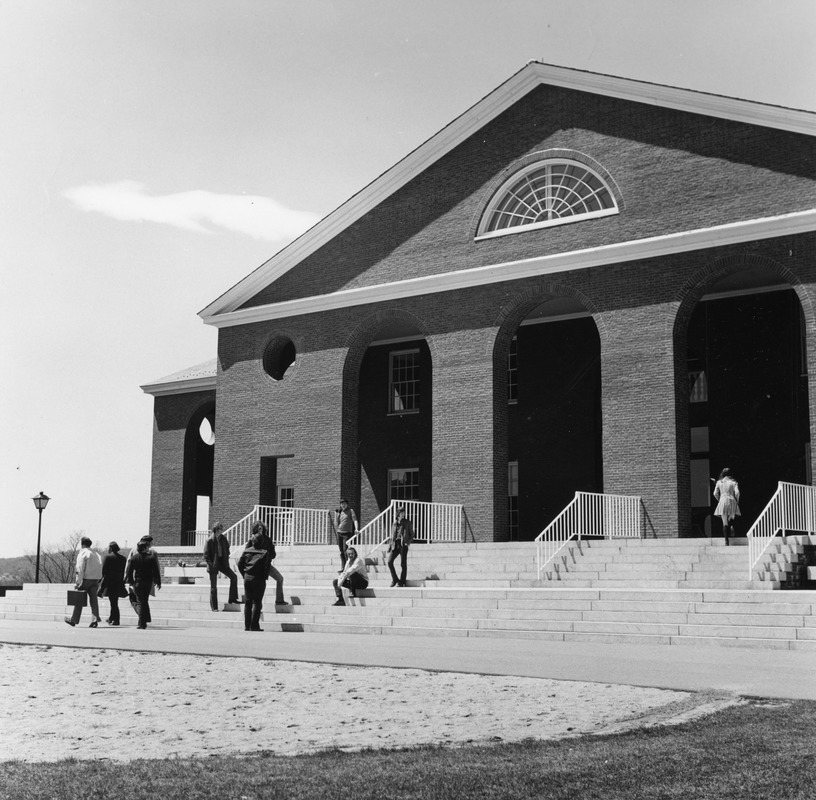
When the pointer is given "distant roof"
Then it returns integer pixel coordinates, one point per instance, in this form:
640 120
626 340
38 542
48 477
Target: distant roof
193 379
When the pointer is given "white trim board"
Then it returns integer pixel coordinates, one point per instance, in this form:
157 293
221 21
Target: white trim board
476 117
640 249
180 387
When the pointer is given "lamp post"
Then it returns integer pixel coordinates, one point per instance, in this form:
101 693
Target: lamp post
40 502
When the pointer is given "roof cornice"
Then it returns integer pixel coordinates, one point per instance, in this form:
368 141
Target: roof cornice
637 250
528 78
180 387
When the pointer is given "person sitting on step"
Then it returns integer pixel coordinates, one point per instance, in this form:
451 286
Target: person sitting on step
354 576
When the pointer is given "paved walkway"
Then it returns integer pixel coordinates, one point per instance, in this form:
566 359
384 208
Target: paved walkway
744 671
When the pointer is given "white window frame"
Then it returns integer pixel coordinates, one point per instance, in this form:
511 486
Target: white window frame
283 500
698 386
500 195
413 484
512 372
392 397
512 500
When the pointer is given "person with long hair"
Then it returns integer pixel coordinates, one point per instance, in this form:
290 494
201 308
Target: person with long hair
113 581
727 493
354 576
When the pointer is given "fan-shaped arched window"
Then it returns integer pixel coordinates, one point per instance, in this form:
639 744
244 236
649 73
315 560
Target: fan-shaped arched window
547 193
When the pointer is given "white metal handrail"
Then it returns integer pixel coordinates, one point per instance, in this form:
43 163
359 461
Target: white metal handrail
287 526
589 514
792 508
433 522
199 537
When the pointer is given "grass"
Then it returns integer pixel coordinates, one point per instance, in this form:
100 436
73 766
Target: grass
764 749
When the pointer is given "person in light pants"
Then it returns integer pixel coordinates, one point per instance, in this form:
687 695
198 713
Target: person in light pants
354 577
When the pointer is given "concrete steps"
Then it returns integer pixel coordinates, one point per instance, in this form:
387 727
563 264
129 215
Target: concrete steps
673 563
649 564
639 591
748 618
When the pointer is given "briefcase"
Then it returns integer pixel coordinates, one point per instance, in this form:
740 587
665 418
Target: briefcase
77 598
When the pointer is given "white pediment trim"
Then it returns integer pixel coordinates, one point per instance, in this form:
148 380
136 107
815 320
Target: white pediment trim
528 78
638 250
180 387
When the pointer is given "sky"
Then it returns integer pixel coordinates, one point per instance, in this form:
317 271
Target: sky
155 152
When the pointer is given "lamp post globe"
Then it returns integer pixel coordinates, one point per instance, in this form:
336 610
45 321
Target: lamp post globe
40 502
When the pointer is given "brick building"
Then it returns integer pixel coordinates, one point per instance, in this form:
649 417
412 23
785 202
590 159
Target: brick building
582 283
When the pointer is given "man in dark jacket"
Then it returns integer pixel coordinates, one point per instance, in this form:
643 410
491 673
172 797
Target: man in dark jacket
113 581
142 574
259 529
216 554
254 566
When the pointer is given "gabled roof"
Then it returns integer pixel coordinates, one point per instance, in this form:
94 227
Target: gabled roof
528 78
197 378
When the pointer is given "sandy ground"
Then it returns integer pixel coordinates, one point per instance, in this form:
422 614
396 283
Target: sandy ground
58 702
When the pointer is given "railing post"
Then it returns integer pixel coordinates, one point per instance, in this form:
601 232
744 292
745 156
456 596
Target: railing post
784 511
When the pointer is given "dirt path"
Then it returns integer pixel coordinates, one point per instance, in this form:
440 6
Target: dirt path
58 702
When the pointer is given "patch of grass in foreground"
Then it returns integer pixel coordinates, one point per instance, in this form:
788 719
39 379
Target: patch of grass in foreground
757 751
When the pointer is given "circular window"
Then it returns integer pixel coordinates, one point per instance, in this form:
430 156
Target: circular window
278 357
206 432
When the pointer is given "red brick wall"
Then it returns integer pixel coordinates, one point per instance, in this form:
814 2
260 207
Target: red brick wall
171 417
675 170
639 310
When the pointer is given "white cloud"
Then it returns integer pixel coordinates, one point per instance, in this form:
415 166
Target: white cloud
197 210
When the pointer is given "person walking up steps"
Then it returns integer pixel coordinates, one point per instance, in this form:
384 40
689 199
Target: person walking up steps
259 529
254 564
727 492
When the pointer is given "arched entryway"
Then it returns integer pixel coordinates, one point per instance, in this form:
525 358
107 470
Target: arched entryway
550 416
199 458
747 399
388 411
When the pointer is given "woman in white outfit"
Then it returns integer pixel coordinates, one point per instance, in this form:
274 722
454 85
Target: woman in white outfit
727 493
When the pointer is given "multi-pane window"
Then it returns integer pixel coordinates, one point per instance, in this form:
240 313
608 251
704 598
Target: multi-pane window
512 499
698 387
512 372
286 496
403 388
548 193
403 484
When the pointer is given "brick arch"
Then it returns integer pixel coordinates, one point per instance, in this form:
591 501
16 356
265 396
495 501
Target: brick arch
515 311
506 323
356 344
198 463
686 300
362 334
698 284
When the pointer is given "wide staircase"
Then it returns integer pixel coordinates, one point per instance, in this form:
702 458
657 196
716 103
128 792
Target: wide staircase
644 591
